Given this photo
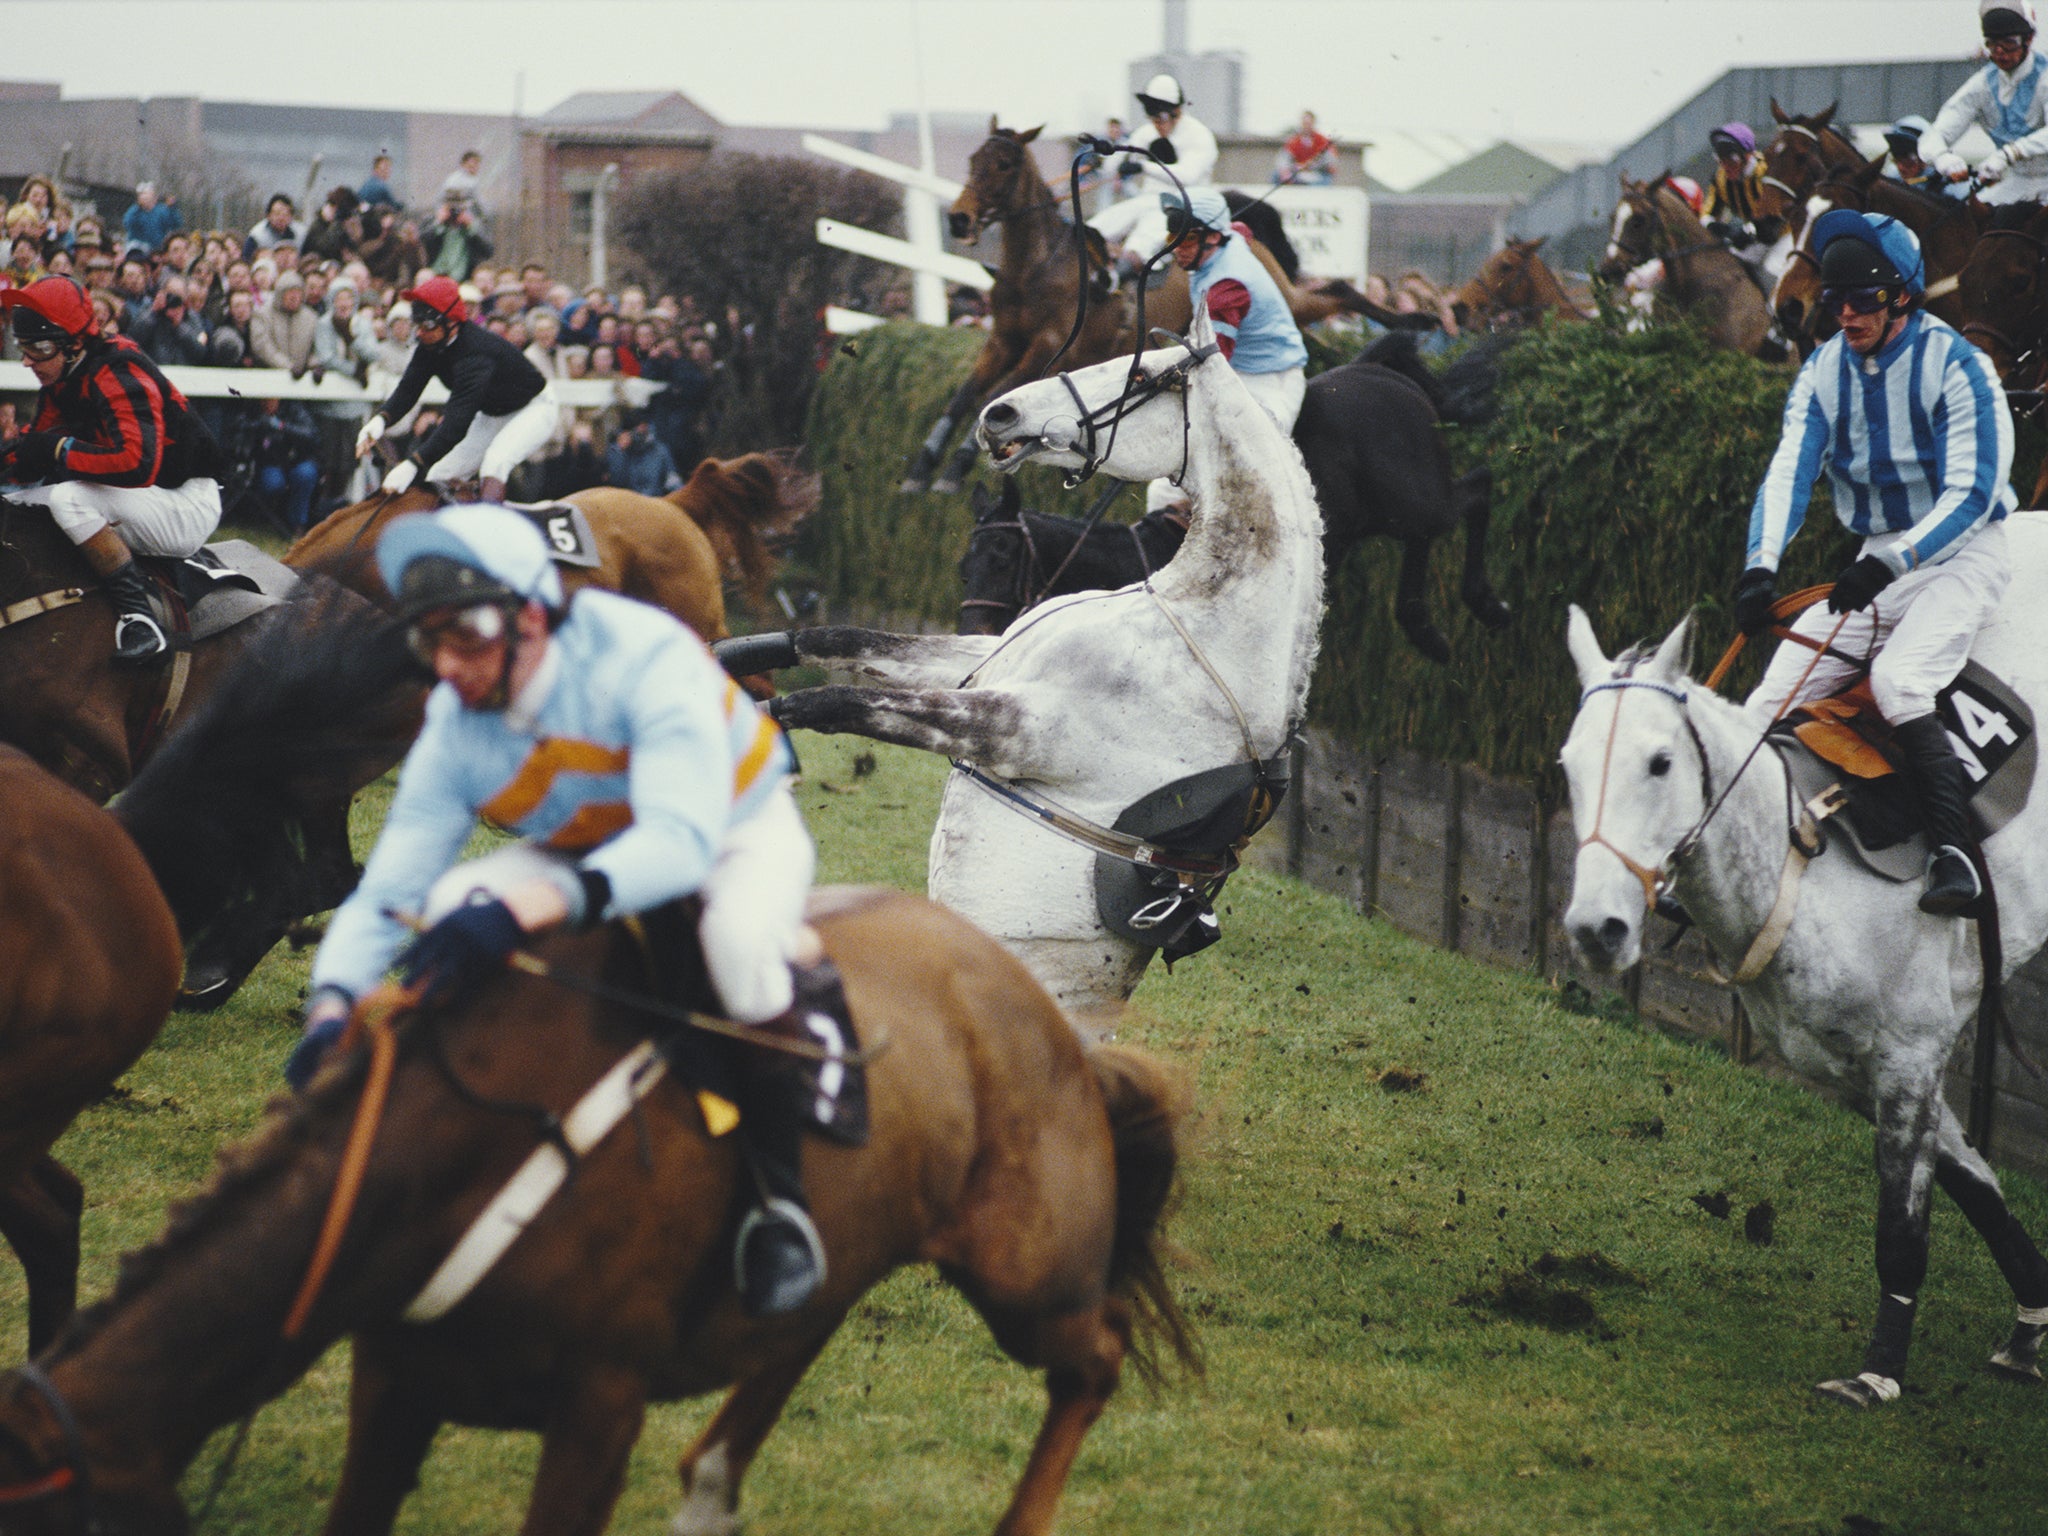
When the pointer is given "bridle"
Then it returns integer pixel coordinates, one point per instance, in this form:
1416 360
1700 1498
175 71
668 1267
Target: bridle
1652 879
1140 389
1024 595
70 1479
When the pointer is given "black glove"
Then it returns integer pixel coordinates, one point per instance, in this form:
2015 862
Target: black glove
33 456
1755 590
1856 586
1717 228
461 950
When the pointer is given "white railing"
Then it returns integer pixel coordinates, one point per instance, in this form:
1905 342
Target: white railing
338 389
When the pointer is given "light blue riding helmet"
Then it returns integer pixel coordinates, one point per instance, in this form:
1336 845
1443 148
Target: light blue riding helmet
1891 239
1203 208
474 554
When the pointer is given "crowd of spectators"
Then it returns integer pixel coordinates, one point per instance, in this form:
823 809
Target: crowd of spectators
322 295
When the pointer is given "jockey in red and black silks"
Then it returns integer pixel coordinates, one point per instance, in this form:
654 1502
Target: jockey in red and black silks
500 410
124 462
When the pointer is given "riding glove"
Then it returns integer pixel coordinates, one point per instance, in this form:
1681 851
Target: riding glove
33 456
1951 166
327 1015
1755 590
399 478
461 950
1992 168
1856 586
373 431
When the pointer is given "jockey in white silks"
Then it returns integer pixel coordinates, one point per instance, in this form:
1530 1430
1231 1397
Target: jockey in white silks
2008 99
500 410
1175 132
1255 330
635 772
1911 425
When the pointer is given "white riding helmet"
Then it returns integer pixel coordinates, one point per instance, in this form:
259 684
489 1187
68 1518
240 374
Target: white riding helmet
484 553
2006 18
1162 94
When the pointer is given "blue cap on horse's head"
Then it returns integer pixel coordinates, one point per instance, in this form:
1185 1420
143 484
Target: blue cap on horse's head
479 553
1884 234
1203 208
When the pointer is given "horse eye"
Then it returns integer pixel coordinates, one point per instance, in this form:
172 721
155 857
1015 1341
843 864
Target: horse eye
1660 765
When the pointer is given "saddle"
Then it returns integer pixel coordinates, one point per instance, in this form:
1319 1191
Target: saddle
1211 814
1844 766
202 595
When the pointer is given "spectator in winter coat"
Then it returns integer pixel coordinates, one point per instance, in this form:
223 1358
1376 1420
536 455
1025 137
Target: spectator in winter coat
391 248
455 242
287 449
640 461
281 335
148 223
277 228
378 188
336 230
344 341
174 334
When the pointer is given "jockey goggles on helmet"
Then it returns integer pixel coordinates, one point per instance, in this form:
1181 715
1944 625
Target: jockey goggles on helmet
1860 301
466 631
49 316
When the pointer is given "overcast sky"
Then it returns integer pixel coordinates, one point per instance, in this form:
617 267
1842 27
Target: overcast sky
1598 71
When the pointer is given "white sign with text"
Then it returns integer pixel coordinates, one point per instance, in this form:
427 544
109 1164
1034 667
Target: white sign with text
1327 226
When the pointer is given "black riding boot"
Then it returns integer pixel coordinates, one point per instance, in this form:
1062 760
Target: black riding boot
1944 792
779 1259
137 639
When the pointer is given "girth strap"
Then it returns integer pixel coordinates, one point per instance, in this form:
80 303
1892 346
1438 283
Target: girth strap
40 604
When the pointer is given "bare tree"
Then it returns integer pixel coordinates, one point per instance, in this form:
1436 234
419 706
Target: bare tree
739 232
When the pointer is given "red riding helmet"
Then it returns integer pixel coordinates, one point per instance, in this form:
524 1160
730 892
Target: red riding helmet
440 294
50 309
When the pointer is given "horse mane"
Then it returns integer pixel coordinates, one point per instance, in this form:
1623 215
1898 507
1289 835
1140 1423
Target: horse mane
2013 216
309 698
746 506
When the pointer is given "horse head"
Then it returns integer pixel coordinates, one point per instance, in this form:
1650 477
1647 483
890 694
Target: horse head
1632 239
2004 292
1637 776
1127 418
996 571
1806 148
1002 180
47 1487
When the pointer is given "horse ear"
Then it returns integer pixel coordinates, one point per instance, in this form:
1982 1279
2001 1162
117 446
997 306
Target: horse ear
1535 245
1030 133
1823 119
1200 332
1673 661
1778 112
1586 656
994 127
980 503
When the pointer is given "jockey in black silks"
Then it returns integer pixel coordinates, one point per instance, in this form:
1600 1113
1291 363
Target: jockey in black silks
126 463
500 410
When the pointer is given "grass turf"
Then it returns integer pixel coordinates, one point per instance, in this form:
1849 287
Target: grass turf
1463 1261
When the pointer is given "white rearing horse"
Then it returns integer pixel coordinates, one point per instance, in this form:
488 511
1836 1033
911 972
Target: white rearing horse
1864 991
1094 700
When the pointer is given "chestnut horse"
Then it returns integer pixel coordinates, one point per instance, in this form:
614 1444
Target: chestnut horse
1031 307
1514 288
1702 276
749 509
1031 1170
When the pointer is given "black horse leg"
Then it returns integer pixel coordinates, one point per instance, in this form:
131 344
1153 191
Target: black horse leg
300 871
958 468
919 477
1411 603
1473 495
1970 1182
39 1214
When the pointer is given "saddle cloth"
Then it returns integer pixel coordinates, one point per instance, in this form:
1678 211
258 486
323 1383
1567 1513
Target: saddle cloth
566 530
1841 748
219 587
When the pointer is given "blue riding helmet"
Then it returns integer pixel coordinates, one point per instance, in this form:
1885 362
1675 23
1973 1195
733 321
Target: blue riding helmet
490 553
1882 233
1204 208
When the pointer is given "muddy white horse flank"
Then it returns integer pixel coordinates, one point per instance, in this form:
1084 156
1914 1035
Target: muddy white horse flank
1863 991
1092 701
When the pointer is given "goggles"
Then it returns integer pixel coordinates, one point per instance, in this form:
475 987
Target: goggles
1860 301
466 631
41 351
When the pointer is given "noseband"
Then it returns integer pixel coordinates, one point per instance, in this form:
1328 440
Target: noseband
1651 879
70 1479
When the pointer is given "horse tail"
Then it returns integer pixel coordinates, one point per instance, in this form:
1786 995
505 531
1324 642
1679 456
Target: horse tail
744 506
1145 1103
1471 384
1268 228
321 698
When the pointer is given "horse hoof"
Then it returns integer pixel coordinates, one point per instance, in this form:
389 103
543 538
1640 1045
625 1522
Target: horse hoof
206 988
946 485
1864 1391
1430 641
2015 1367
912 485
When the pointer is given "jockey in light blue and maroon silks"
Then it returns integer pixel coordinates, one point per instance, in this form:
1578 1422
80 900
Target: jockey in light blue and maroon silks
1254 327
1911 425
635 772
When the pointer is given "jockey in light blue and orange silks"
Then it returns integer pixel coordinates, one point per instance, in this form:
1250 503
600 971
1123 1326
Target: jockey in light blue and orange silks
602 733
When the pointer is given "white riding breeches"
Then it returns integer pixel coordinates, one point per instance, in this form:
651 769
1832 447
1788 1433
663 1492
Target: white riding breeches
1280 393
151 519
753 902
1139 222
1920 629
494 446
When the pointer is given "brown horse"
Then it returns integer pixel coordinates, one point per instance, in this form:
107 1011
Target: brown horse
89 965
1702 277
1948 231
1806 149
749 508
1514 288
1032 1171
1032 305
2004 290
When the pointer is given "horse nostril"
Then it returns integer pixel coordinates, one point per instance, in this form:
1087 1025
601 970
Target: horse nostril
999 415
1613 934
958 223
